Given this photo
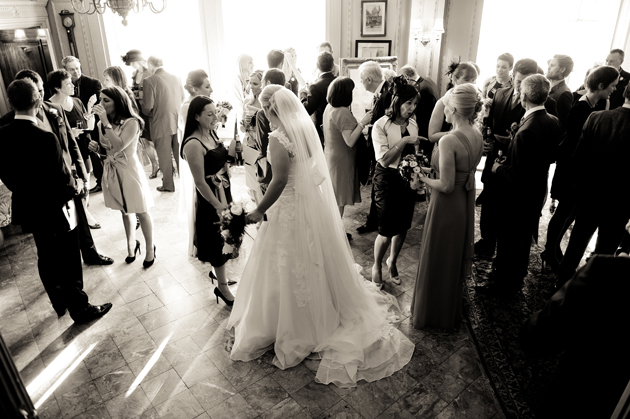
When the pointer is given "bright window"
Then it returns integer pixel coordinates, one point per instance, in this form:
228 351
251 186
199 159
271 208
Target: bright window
539 29
256 27
173 35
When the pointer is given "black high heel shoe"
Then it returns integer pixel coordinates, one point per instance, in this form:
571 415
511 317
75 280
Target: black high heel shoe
219 294
149 263
550 261
131 259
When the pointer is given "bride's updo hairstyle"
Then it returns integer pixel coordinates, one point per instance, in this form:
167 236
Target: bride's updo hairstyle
465 101
401 92
265 96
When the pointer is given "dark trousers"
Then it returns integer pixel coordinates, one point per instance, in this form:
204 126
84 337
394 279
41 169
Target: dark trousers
514 243
59 264
490 217
97 167
86 242
609 219
558 226
167 148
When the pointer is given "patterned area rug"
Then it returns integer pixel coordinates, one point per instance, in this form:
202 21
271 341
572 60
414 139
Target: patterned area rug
495 323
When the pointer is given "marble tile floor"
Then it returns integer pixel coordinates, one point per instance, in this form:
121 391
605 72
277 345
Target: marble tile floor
161 351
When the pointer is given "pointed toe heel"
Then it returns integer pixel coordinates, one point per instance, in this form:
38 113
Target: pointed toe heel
220 295
131 259
149 263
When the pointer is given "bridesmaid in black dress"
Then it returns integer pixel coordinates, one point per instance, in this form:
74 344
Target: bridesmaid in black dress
207 158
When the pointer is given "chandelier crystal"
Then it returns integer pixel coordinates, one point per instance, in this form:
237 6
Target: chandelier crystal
122 7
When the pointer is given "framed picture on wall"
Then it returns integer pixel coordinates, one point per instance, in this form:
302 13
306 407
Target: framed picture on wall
373 17
372 49
361 98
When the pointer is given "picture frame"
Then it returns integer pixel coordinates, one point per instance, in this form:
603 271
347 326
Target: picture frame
361 98
373 18
372 49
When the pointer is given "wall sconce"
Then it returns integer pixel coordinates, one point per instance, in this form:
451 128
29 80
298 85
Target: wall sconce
424 34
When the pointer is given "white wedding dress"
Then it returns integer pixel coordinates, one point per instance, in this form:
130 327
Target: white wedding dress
300 292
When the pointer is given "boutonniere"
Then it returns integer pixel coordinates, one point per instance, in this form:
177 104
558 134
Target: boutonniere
377 96
58 117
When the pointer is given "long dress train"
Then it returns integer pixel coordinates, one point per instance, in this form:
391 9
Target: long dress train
301 293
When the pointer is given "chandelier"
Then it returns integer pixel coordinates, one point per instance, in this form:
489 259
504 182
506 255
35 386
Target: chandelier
122 7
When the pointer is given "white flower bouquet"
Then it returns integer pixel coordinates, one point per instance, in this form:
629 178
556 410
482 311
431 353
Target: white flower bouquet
232 223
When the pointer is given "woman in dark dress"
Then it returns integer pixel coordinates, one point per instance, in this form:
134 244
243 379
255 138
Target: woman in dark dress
600 83
207 158
394 136
447 241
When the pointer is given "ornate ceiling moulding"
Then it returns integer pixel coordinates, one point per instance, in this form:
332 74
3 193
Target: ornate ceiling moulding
15 14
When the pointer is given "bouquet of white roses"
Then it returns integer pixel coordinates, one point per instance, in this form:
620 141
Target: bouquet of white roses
232 225
223 109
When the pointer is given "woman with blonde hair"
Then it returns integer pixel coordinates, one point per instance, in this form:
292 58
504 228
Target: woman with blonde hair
447 241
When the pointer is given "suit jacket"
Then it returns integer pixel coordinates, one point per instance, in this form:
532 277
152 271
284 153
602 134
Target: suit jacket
588 320
163 95
365 150
428 98
86 87
501 116
35 209
616 98
523 177
61 128
605 146
316 102
564 100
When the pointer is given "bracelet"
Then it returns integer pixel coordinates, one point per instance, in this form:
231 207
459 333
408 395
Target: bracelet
361 125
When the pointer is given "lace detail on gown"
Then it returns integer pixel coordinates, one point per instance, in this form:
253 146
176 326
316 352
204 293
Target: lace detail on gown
285 141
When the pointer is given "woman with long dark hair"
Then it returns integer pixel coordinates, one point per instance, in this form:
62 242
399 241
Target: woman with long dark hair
125 185
209 192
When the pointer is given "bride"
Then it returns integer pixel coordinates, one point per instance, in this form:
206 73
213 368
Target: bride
300 292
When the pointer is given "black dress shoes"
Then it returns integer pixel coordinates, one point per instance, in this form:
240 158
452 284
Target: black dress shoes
99 260
91 313
484 248
61 311
96 189
366 229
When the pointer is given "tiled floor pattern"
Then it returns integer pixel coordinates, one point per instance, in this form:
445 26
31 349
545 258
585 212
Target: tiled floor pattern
161 351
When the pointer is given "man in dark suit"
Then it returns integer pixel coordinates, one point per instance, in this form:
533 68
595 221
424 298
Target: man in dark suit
604 144
429 95
522 184
315 101
163 95
50 212
506 110
52 118
615 59
559 69
588 320
88 90
373 81
271 76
